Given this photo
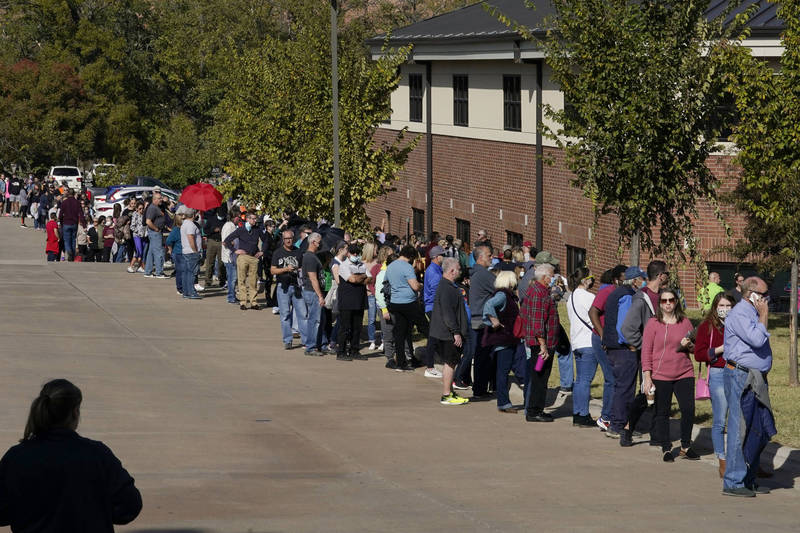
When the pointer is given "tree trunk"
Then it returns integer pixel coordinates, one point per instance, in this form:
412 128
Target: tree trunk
793 326
635 249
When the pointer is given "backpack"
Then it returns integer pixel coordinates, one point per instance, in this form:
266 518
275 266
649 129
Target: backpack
622 310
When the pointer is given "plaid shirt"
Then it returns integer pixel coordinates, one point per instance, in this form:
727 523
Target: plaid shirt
540 315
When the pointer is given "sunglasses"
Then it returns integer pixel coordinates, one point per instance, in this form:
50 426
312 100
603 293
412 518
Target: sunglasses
667 300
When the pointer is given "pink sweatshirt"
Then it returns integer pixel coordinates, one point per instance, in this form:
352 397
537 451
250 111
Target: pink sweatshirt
660 343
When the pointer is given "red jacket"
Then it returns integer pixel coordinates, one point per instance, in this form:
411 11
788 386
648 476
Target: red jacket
708 338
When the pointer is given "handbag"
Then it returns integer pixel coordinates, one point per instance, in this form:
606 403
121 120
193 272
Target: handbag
701 390
519 327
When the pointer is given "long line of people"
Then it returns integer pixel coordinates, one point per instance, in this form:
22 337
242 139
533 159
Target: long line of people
483 316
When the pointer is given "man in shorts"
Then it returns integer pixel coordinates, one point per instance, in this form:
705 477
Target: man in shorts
449 327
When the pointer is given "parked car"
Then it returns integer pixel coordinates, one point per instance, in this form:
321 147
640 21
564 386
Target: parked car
120 195
147 181
71 177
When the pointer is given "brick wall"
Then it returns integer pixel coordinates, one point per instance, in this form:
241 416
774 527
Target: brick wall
493 186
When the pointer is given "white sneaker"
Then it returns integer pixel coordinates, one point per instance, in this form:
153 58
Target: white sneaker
275 310
131 270
380 348
140 269
168 264
432 373
199 288
371 347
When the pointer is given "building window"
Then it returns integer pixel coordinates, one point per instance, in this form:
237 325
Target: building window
576 258
460 100
726 117
463 231
512 103
415 97
418 221
514 239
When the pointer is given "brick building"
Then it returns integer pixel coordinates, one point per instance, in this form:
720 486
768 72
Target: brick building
474 91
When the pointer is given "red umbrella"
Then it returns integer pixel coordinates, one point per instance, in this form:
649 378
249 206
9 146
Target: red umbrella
201 196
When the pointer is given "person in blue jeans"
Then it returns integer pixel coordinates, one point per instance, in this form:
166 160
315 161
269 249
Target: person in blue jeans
285 266
173 242
312 293
580 329
747 351
155 220
192 245
227 257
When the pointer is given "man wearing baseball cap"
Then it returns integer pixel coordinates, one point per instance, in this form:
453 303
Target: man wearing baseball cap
433 275
624 359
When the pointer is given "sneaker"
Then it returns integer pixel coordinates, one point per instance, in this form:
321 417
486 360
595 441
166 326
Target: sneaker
131 270
371 347
432 373
453 399
612 433
539 417
325 349
460 385
193 297
140 270
149 276
256 307
179 293
391 365
315 353
168 264
626 438
689 454
199 288
161 276
243 307
287 346
344 357
360 357
603 424
759 489
667 457
234 302
741 492
380 348
275 310
582 421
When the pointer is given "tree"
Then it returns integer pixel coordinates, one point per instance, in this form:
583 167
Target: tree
642 84
274 125
768 139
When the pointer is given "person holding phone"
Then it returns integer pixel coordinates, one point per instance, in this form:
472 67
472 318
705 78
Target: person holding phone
670 371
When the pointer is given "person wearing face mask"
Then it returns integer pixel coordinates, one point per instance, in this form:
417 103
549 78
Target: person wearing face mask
624 360
352 301
247 256
748 355
214 220
709 348
580 332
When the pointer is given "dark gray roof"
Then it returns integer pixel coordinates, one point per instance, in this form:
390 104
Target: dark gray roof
474 23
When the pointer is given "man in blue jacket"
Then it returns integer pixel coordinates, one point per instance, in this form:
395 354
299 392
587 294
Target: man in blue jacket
433 276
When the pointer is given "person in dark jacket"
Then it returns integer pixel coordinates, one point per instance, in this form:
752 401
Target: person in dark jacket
214 220
449 327
56 480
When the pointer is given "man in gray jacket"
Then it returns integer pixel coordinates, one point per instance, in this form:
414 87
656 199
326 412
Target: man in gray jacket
481 287
449 327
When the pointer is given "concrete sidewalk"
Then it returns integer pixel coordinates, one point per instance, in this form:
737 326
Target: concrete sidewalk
226 431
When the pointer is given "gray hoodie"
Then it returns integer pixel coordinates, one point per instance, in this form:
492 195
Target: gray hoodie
640 312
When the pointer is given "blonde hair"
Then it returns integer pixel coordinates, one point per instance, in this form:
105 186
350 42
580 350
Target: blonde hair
368 252
506 279
518 256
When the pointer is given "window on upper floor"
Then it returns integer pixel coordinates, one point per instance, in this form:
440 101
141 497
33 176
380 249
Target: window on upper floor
415 92
460 100
512 103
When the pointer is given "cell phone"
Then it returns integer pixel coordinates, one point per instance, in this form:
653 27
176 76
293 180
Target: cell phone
754 298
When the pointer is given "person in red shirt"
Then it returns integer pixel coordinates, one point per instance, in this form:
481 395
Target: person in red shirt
51 248
708 348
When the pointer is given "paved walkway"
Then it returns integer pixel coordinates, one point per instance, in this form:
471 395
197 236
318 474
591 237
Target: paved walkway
225 431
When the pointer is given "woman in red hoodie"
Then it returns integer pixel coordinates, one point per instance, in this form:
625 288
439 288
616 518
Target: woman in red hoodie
708 348
670 371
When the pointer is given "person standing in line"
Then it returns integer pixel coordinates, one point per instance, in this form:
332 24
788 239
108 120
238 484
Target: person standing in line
14 187
404 305
670 371
580 332
385 257
175 247
371 264
155 221
70 215
500 312
286 262
56 480
751 423
541 334
736 292
247 255
108 240
214 220
352 300
191 246
430 283
23 206
138 232
228 259
709 348
449 327
481 288
51 247
312 293
609 280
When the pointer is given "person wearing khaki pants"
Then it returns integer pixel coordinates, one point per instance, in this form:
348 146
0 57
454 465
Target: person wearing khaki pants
247 255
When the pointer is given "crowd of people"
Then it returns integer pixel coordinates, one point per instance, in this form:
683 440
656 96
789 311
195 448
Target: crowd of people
483 313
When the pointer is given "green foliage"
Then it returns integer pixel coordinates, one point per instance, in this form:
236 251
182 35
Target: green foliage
643 84
274 125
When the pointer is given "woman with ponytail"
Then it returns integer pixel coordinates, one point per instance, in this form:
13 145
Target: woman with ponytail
56 480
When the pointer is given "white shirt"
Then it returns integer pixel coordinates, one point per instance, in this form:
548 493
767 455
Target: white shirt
580 335
227 228
190 230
